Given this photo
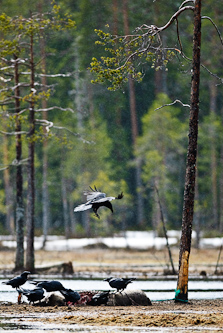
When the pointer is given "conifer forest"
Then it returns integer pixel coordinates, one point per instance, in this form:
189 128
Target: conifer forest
97 93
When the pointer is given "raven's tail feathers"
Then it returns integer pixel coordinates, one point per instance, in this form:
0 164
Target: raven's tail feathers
120 196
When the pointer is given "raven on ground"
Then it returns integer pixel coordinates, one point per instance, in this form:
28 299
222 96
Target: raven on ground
18 281
32 295
70 295
100 298
49 285
119 283
95 200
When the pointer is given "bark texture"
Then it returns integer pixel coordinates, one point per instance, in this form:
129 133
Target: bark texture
19 216
30 261
189 190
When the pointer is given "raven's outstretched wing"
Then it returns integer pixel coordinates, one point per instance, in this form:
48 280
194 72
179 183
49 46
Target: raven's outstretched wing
82 207
94 194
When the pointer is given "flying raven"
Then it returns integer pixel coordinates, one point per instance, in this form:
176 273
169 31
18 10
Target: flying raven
32 295
95 200
18 281
49 285
70 295
119 284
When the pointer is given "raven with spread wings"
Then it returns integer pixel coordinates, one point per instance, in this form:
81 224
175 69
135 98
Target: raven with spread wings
95 200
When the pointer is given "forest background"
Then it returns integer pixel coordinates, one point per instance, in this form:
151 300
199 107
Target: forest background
117 140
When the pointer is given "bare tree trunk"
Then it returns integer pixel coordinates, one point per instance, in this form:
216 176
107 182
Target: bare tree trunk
8 189
115 16
19 260
165 231
213 97
197 214
221 182
189 190
134 126
45 192
72 217
65 206
30 259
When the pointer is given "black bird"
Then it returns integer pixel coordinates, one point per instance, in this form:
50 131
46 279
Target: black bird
70 295
100 298
18 281
32 295
95 200
119 283
49 285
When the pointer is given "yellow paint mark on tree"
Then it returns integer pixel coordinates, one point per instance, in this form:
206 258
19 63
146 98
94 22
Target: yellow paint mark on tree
183 273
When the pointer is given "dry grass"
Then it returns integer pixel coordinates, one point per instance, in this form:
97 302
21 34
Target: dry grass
96 259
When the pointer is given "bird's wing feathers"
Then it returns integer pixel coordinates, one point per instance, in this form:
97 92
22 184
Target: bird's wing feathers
94 196
82 207
104 199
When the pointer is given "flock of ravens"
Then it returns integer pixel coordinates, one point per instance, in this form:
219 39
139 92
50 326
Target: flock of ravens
95 200
70 296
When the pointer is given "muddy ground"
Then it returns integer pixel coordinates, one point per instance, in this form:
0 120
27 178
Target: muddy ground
202 314
205 315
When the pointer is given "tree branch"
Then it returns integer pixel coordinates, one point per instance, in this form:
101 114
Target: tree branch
176 101
174 17
219 34
47 124
15 162
50 75
53 108
186 1
75 134
13 133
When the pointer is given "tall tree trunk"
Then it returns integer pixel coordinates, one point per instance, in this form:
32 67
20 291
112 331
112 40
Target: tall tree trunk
134 127
45 194
72 216
214 191
30 260
45 191
79 100
19 260
65 206
221 182
115 16
189 190
8 189
197 214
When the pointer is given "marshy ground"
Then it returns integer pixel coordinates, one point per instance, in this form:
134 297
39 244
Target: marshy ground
196 315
